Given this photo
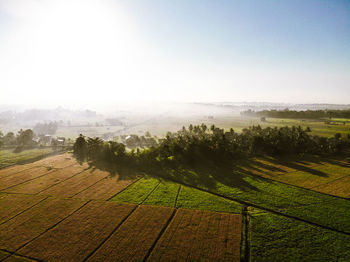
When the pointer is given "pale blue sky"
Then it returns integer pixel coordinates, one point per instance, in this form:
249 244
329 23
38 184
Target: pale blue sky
176 50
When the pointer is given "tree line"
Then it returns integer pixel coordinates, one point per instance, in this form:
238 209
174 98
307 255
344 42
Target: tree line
201 144
307 114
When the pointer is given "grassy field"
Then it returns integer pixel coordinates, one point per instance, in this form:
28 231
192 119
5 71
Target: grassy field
152 191
272 235
8 157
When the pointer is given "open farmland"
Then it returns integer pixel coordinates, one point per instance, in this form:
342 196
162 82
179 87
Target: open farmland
326 175
67 211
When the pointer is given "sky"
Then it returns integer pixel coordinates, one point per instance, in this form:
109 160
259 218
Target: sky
99 52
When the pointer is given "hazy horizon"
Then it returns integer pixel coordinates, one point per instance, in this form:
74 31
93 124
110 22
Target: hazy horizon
100 53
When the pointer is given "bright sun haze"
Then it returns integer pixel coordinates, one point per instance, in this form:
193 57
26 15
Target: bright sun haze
82 52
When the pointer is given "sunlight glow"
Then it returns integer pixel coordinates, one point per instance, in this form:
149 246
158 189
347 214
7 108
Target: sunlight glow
70 52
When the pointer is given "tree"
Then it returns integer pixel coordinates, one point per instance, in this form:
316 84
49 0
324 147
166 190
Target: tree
80 148
25 137
9 139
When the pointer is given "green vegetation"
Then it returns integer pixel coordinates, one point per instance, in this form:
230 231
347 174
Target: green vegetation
199 144
196 199
9 157
164 195
151 191
297 202
137 192
277 238
308 114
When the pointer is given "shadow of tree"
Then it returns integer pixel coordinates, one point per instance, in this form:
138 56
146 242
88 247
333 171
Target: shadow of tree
234 174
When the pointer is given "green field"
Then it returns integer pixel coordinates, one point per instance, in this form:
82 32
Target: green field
152 191
272 237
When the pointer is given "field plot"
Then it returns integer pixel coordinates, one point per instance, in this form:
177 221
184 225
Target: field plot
79 235
339 187
196 199
39 184
137 192
58 161
13 204
23 176
132 241
105 188
13 170
33 170
277 238
75 184
195 235
164 195
23 228
310 173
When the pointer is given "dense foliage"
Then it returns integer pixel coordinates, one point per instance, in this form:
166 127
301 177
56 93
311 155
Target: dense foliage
308 114
200 144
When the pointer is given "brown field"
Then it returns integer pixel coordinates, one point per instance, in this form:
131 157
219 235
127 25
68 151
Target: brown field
136 236
339 187
200 236
76 184
13 204
13 170
37 185
79 235
24 176
23 228
55 161
15 258
105 188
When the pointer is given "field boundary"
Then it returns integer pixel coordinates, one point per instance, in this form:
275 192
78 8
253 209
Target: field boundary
51 227
88 187
242 202
309 189
110 234
160 235
63 180
45 174
150 193
339 178
178 192
245 236
109 199
18 255
28 208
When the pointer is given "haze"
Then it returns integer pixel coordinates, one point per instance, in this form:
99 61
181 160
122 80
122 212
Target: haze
83 53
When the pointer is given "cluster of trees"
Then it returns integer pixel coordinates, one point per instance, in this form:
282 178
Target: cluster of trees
22 138
308 114
45 128
200 144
